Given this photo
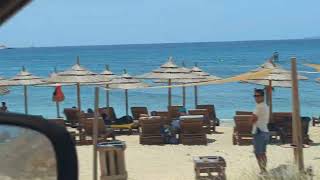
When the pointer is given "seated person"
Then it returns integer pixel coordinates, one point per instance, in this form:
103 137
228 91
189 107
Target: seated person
90 111
124 120
3 108
106 119
176 122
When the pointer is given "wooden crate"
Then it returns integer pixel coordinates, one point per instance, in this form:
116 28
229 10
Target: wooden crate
209 167
112 161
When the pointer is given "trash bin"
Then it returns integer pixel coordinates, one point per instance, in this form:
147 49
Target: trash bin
112 160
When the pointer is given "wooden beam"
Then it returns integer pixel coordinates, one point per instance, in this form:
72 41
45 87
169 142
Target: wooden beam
95 133
296 120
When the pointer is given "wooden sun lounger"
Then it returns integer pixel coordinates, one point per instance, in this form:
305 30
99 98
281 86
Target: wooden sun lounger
242 131
137 111
109 111
118 127
212 114
283 122
151 130
86 132
72 116
164 116
191 132
207 124
121 127
174 111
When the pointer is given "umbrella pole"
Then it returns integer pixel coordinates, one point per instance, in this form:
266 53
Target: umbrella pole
296 122
184 96
95 133
127 104
58 109
78 96
107 96
25 99
169 93
270 100
195 96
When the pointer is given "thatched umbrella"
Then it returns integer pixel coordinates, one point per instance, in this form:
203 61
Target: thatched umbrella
3 86
196 70
25 79
126 82
184 81
107 75
169 71
4 90
278 77
55 85
77 75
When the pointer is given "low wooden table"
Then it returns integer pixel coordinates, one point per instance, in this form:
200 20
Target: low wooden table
213 166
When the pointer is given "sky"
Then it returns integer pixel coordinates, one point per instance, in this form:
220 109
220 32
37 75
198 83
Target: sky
108 22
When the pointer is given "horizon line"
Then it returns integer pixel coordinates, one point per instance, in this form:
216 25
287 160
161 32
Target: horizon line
161 43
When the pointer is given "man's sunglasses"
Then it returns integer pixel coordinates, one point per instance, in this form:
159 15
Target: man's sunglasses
257 95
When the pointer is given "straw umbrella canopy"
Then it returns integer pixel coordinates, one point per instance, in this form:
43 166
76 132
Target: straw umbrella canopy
126 82
54 85
77 75
316 67
107 75
169 71
4 90
278 77
184 81
25 79
196 70
3 86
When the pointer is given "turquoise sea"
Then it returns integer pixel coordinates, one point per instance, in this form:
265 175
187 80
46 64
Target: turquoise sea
223 59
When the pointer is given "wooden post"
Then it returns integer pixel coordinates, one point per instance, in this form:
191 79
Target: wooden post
169 93
58 109
107 96
127 103
78 97
296 120
184 96
95 132
195 96
270 100
25 88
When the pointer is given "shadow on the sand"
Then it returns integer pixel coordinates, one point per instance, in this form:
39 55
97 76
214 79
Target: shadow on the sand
314 144
210 140
217 132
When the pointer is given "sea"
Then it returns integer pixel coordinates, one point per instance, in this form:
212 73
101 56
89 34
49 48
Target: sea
224 59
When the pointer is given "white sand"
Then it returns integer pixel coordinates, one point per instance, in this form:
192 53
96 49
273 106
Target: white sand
174 162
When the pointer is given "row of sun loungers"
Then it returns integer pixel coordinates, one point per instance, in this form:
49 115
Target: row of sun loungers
191 133
280 126
83 122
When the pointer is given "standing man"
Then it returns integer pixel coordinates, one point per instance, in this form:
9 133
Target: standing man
260 120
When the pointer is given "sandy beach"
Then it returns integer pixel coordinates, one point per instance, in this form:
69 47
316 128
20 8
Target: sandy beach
175 162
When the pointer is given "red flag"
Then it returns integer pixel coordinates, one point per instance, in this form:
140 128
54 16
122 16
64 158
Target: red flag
58 95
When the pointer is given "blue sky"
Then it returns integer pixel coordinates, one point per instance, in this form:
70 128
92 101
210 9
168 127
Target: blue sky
75 22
